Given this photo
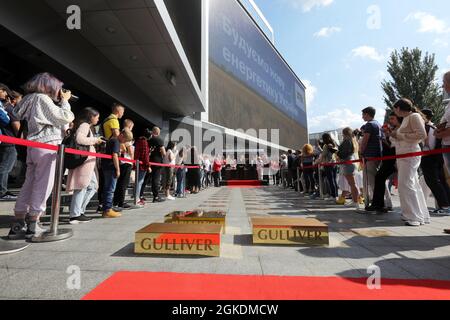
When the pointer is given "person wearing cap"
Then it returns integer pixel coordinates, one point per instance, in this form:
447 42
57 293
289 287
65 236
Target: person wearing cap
433 167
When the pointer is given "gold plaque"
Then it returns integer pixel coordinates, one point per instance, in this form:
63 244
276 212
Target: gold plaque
179 239
289 231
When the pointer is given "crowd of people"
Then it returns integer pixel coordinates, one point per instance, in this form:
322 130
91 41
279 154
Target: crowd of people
45 115
409 130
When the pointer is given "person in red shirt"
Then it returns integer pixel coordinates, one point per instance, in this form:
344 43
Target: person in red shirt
217 169
142 154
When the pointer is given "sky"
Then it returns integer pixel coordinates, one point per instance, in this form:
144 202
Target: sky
340 49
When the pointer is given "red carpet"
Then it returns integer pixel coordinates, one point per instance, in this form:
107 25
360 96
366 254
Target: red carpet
244 183
175 286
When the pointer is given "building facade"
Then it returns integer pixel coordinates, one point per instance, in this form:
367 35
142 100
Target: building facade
196 65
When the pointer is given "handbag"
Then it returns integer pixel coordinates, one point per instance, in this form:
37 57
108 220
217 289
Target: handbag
73 161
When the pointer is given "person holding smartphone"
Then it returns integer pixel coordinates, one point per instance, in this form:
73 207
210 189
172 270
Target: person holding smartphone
82 181
111 171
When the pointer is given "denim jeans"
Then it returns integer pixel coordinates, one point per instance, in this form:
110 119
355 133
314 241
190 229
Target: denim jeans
8 156
140 182
181 175
81 198
110 182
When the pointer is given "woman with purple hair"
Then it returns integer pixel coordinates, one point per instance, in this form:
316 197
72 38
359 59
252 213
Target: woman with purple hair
47 111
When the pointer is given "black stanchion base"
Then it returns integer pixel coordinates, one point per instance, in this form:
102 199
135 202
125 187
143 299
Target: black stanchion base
62 234
12 247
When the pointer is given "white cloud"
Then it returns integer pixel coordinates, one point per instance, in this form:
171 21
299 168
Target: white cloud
311 92
340 118
337 119
308 5
326 32
429 23
367 53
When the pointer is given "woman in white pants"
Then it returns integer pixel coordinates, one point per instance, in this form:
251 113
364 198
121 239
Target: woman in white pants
408 137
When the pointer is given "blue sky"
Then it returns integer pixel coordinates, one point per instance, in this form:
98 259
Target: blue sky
340 48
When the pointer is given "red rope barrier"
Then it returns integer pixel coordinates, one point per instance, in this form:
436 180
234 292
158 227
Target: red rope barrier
39 145
399 156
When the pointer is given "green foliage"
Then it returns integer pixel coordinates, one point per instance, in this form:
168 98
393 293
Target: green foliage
414 78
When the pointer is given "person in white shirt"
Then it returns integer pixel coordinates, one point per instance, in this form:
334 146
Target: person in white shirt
408 138
169 159
433 169
443 130
207 171
260 168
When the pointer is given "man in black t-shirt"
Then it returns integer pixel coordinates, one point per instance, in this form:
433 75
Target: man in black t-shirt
111 172
157 154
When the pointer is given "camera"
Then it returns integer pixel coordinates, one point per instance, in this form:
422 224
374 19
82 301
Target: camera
73 98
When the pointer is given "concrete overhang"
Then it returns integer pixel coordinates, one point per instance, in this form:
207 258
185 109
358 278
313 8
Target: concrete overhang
125 48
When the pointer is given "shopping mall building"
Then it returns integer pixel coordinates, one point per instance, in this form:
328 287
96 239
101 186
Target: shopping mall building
194 65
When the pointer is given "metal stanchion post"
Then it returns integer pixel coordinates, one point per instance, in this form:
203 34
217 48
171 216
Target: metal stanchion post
136 182
298 180
56 234
320 183
366 184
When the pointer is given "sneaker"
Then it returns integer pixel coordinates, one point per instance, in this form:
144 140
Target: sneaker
314 197
34 230
361 200
11 194
413 223
125 206
8 197
111 214
18 231
100 209
341 201
441 212
158 200
170 198
354 205
117 209
141 203
80 219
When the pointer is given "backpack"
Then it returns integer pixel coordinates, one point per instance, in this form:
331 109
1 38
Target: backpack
73 161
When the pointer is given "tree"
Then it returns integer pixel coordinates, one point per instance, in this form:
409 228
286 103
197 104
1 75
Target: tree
414 78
